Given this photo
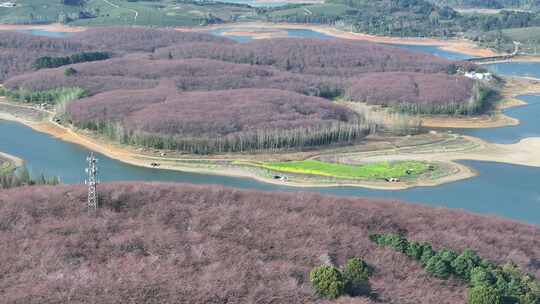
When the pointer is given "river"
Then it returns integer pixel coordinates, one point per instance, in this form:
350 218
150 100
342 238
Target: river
500 189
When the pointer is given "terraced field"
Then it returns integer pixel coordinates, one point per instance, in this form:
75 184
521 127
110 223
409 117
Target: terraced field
122 12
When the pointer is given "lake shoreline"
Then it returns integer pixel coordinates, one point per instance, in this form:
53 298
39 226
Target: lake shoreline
461 46
514 87
125 155
14 160
454 45
54 27
487 152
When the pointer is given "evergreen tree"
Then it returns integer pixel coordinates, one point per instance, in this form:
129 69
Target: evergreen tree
70 72
427 254
484 295
480 276
24 176
439 267
356 276
464 264
399 243
327 281
414 250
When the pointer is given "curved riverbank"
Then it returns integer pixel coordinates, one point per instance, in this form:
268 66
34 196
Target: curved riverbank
522 153
447 149
514 87
14 160
455 45
214 166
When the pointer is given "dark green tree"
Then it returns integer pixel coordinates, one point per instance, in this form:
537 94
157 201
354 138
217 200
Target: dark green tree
439 267
481 276
70 72
484 295
376 238
399 243
24 175
356 274
414 250
327 281
427 254
464 263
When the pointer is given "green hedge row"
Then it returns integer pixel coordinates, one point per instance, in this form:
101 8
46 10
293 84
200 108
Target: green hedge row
54 62
52 97
489 283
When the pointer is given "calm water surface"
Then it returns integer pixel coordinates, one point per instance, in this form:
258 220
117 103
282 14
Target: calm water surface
37 32
291 33
522 69
506 190
529 117
434 50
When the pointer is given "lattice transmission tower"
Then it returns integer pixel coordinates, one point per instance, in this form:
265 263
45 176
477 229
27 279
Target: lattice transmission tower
92 182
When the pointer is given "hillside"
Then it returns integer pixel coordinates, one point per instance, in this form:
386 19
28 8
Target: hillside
423 90
385 17
414 18
164 88
162 13
218 121
19 51
404 18
528 37
140 72
166 243
334 57
494 4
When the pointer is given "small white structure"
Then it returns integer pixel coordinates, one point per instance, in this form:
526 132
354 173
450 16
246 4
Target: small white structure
282 178
479 76
8 4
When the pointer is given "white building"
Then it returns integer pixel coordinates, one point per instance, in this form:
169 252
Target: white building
479 76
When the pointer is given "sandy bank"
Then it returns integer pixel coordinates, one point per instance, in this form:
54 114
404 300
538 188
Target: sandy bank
256 35
18 162
523 153
526 58
496 120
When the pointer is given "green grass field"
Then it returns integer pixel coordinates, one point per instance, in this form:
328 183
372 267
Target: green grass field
379 170
35 11
523 34
122 12
318 10
529 37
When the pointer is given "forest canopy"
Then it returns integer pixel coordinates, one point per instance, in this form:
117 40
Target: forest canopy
212 244
204 94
